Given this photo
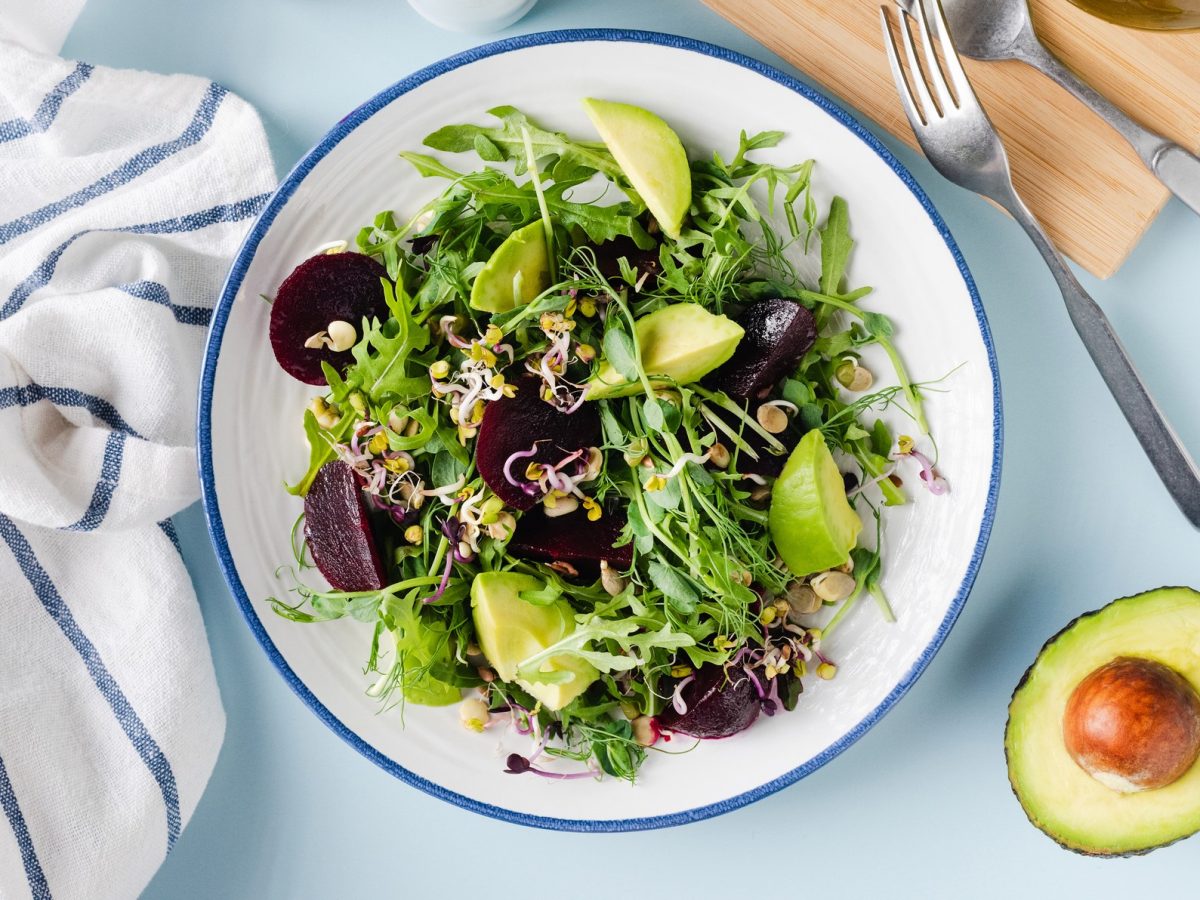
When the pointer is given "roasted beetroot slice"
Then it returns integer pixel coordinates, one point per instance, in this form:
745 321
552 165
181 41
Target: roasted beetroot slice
717 706
778 333
768 464
643 262
338 533
572 538
512 425
327 288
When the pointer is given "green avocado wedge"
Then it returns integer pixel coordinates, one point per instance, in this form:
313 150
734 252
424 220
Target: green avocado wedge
681 343
813 525
652 157
511 630
517 271
1061 798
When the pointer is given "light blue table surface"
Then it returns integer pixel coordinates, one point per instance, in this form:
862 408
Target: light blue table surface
920 807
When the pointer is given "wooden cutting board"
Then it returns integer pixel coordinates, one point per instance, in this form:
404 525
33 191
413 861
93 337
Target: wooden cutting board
1081 179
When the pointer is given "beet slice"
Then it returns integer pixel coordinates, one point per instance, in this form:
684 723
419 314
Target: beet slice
717 706
768 464
778 333
643 262
572 538
327 288
338 532
512 424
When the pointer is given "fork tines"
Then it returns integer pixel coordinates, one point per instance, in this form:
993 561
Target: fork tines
945 74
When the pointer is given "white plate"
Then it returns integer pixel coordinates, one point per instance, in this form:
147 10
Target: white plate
250 437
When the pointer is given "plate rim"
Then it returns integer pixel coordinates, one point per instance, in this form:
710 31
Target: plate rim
245 256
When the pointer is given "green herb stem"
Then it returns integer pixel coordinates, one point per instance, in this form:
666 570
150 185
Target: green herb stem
914 399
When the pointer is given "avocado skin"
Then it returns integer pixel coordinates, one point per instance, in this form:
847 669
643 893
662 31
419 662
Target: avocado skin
1070 626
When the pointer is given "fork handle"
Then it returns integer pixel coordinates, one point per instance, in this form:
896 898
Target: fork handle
1174 166
1167 454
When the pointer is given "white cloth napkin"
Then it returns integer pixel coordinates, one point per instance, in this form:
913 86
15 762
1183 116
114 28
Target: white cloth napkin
123 196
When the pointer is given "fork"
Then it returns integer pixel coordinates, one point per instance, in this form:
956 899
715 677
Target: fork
961 142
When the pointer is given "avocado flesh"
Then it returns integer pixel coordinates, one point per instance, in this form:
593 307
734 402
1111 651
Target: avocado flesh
1059 797
517 271
683 342
813 525
651 156
510 630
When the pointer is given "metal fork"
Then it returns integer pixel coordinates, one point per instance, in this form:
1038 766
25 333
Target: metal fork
960 141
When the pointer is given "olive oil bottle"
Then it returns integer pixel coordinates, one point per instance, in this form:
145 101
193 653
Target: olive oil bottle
1158 15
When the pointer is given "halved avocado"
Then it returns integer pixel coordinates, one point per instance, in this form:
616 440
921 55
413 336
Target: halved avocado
511 629
683 342
1077 809
517 271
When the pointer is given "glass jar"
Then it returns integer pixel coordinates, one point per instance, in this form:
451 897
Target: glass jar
1158 15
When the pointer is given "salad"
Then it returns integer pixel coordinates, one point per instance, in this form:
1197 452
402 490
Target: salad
593 451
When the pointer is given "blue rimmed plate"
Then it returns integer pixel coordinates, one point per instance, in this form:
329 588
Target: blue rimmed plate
250 410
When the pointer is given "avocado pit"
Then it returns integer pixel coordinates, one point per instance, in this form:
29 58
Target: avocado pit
1133 725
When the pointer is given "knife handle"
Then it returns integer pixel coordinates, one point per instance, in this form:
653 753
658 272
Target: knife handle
1174 166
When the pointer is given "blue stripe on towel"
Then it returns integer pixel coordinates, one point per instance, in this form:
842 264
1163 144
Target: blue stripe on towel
155 292
127 718
225 212
168 528
33 869
29 394
110 475
133 167
15 129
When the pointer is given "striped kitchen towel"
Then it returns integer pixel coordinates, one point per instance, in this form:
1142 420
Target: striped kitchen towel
123 196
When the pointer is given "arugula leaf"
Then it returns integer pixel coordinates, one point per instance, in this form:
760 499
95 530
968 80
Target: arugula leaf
380 358
320 451
760 141
427 430
509 143
836 245
575 644
428 167
600 223
597 629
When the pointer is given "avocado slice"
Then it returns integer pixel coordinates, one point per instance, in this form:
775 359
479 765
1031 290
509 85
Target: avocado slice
683 342
813 525
510 630
651 156
517 271
1075 808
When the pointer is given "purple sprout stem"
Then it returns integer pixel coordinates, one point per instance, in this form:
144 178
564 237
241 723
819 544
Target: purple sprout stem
758 688
441 588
